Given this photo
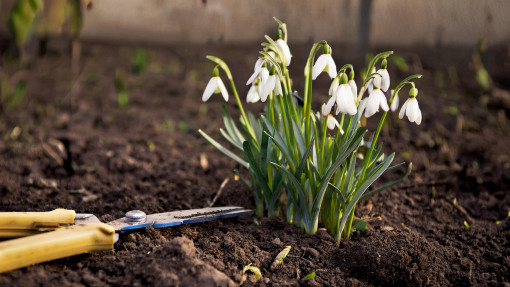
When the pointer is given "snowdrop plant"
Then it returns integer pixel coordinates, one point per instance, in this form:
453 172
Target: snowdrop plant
325 162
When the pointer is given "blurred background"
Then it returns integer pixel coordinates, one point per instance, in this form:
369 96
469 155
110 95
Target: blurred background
88 63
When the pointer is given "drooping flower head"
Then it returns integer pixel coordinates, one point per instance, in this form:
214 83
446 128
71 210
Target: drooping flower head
269 85
385 76
215 86
256 71
411 108
259 71
285 48
345 103
331 121
352 84
254 92
376 99
324 63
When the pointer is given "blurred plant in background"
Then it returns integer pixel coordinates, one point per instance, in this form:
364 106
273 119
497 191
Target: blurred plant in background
288 149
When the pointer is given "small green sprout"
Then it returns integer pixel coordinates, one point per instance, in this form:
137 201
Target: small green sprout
466 224
139 61
252 269
122 95
309 276
279 258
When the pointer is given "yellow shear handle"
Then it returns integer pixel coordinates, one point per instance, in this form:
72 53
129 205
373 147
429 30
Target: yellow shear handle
36 220
56 244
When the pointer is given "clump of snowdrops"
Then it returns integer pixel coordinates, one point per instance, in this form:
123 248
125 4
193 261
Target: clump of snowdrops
323 161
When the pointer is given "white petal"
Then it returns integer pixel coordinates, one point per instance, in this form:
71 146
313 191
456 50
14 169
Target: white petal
264 74
258 65
411 112
346 100
418 119
223 90
394 105
319 66
267 87
331 67
403 109
329 106
253 77
278 87
332 122
334 85
370 86
354 88
377 81
285 49
212 85
252 96
383 102
373 103
385 79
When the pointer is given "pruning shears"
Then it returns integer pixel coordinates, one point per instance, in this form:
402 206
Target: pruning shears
62 232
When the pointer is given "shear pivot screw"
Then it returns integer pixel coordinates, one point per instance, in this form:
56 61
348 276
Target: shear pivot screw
135 216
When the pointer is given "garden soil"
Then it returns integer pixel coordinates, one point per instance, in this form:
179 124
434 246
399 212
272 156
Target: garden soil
69 145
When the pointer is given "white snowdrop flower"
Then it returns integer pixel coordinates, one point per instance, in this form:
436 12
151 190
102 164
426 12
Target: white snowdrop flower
352 84
376 99
394 105
268 85
411 108
286 51
385 81
324 63
334 85
331 121
256 71
254 93
215 86
344 99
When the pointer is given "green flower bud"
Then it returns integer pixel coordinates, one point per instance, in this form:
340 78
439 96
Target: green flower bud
384 64
413 92
279 34
343 79
327 49
215 72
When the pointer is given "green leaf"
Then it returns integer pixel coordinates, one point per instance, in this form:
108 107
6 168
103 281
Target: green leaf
369 179
305 212
230 140
231 127
339 161
224 150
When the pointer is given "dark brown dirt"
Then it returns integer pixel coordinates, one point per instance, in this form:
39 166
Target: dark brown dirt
148 157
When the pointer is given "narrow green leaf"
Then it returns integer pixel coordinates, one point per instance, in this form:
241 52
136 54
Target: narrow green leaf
224 150
231 127
359 192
